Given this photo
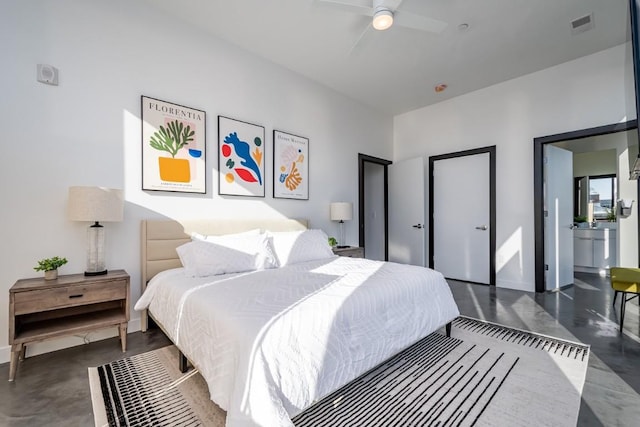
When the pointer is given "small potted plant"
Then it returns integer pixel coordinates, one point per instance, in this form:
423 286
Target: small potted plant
333 242
611 215
580 221
50 267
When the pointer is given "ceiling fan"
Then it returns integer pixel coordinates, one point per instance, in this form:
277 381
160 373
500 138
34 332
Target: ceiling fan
386 13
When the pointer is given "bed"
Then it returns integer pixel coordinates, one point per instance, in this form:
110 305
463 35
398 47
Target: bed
272 341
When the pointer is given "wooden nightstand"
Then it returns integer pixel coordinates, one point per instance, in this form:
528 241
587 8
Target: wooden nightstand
351 251
42 309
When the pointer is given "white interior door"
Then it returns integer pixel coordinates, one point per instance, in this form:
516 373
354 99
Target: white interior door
406 212
461 214
558 201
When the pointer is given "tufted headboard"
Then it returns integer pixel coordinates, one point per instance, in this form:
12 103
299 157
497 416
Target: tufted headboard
160 238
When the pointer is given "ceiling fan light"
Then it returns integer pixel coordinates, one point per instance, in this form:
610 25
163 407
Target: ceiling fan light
382 19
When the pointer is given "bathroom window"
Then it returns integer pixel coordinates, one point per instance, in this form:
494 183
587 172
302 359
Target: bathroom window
601 192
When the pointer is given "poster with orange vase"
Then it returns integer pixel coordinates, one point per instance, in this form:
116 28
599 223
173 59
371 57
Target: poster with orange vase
290 166
240 158
173 147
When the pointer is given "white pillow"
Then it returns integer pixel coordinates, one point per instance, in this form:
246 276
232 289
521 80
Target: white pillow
250 242
226 254
201 259
198 236
292 247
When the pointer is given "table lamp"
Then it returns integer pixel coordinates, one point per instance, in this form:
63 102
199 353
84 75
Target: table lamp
341 211
95 204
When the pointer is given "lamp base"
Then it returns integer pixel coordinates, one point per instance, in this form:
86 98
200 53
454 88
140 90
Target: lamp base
343 246
95 251
95 273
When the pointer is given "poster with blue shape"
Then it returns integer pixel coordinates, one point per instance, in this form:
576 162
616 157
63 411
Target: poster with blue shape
240 158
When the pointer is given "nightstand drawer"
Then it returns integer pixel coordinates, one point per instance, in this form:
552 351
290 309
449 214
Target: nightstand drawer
68 296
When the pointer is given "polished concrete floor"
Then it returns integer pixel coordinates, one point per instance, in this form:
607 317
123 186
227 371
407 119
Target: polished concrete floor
53 389
584 313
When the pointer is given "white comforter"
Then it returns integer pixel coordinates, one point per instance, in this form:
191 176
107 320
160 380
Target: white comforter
269 343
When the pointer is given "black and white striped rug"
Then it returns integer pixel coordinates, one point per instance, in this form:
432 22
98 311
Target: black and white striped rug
149 390
483 375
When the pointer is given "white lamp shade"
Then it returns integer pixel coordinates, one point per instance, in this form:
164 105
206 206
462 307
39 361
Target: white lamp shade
341 211
95 204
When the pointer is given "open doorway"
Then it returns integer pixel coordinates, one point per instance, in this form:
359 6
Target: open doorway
373 209
624 234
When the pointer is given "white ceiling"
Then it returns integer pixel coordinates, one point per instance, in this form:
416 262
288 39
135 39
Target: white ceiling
396 70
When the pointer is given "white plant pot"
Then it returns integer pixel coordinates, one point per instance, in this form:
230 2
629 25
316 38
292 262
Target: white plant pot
51 275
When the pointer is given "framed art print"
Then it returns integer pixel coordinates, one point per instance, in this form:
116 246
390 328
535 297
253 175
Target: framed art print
173 147
290 166
240 158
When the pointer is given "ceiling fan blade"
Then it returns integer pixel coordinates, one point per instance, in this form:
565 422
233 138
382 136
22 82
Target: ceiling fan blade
348 7
361 41
418 22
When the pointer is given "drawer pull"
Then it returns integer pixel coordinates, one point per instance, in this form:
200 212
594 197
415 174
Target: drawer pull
76 296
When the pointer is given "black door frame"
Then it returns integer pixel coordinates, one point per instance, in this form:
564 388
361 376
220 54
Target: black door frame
492 203
538 182
362 158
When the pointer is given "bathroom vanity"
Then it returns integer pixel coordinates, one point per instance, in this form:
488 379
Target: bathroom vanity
594 249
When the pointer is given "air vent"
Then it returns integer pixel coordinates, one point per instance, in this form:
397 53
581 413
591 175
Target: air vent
582 24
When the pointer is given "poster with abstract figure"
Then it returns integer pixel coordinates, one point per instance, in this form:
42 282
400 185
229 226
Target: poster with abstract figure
240 158
173 147
290 166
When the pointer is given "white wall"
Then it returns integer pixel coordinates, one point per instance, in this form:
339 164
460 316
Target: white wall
86 131
590 91
627 242
602 162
